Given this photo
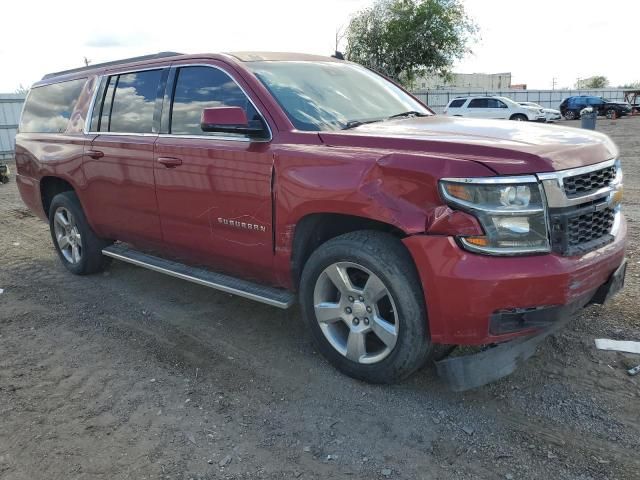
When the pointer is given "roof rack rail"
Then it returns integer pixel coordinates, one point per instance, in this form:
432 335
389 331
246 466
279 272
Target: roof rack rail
113 63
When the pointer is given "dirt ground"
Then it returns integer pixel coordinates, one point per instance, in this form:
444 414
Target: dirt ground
132 374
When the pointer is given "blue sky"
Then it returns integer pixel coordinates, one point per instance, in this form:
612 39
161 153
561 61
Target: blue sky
535 40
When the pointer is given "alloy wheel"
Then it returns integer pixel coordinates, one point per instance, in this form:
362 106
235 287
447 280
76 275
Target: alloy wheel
356 312
67 235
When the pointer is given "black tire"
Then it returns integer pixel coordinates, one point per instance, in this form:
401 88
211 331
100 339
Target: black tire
570 115
519 117
386 257
611 114
91 258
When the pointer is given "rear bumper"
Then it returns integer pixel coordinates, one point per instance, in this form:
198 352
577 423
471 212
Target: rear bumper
477 299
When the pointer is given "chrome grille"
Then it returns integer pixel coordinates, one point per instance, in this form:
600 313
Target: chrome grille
585 183
582 207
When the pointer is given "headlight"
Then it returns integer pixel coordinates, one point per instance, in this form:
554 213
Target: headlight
511 211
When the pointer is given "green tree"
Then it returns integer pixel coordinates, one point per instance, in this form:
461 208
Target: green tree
631 86
597 81
22 90
405 39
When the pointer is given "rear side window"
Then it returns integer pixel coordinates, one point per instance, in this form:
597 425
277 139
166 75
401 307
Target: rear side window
479 103
48 108
457 103
129 102
198 88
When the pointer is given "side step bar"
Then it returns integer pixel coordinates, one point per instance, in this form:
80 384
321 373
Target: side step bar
236 286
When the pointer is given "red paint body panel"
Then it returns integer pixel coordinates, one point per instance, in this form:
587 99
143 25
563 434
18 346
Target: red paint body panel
224 116
235 205
463 289
120 197
218 182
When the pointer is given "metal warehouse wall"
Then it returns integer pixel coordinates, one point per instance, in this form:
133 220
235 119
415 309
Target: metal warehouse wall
10 109
438 99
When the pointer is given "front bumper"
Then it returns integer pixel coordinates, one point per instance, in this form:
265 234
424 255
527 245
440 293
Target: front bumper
474 370
464 291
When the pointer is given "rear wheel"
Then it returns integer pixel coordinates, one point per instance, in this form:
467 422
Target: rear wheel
79 248
362 302
611 113
519 117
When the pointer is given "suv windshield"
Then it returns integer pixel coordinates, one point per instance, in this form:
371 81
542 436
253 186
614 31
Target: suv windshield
333 95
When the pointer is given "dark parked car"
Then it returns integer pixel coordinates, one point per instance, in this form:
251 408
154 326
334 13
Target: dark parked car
278 176
571 106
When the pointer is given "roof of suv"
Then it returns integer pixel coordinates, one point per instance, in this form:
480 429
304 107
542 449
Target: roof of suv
280 56
239 56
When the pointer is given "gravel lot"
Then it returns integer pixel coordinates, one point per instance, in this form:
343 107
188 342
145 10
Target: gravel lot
132 374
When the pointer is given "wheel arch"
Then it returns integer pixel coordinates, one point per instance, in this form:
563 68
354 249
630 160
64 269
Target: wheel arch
314 229
50 186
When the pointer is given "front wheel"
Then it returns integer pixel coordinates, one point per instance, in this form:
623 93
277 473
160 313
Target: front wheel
570 115
362 301
611 114
518 117
79 248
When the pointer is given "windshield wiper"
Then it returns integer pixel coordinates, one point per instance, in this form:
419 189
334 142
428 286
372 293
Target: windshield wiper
411 113
356 123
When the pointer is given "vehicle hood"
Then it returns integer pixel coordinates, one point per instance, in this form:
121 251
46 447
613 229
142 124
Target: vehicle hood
551 110
506 147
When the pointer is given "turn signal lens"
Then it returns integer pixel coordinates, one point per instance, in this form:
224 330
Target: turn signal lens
477 241
459 191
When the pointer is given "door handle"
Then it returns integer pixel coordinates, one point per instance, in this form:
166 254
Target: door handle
170 162
95 154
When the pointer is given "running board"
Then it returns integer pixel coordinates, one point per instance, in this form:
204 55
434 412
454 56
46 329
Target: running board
235 286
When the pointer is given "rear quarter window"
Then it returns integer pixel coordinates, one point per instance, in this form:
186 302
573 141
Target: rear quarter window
457 103
48 108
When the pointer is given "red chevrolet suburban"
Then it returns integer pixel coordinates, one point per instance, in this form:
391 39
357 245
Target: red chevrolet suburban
275 176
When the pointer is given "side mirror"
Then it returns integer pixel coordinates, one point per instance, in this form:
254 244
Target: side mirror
229 120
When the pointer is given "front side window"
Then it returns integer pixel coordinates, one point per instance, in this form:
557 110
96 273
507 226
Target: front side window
48 108
495 103
319 96
198 88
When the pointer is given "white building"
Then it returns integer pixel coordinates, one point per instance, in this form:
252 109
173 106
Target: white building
466 81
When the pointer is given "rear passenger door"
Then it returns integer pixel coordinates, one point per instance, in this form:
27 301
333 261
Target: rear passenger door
214 189
497 109
119 163
478 108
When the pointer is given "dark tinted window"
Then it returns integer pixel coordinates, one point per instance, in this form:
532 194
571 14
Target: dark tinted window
48 108
133 102
198 88
457 103
478 103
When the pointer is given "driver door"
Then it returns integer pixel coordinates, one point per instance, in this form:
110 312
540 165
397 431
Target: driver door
213 189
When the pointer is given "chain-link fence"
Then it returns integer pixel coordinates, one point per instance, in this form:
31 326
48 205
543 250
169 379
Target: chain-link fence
438 99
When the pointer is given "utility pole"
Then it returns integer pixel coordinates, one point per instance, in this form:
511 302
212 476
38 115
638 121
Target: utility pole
340 34
86 62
